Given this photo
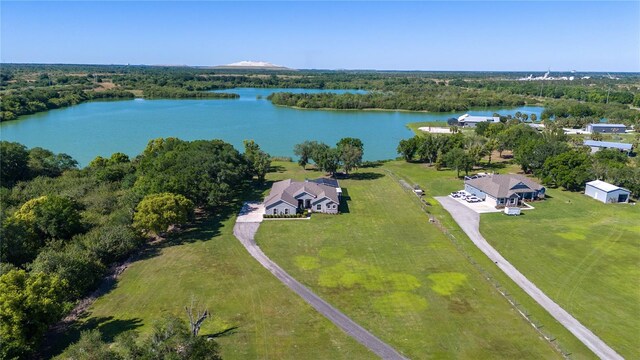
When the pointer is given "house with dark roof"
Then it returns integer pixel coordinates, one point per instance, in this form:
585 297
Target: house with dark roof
289 197
504 190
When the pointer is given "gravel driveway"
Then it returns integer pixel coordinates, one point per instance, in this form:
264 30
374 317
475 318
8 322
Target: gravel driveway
245 232
469 221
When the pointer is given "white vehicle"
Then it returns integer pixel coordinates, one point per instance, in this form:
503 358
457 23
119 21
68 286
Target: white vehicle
472 199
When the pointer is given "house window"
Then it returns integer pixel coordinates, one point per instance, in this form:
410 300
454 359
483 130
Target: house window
319 207
286 211
275 211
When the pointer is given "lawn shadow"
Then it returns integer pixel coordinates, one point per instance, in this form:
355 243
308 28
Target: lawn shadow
108 327
277 168
343 208
365 176
226 332
495 166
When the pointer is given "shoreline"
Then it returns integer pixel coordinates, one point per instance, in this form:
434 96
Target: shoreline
409 111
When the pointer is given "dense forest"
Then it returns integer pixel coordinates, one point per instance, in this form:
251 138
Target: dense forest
27 89
63 227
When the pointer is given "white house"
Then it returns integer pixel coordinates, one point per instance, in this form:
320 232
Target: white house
607 193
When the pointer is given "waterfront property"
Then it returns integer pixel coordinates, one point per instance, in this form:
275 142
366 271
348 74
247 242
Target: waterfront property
599 145
471 121
290 197
607 193
504 190
606 128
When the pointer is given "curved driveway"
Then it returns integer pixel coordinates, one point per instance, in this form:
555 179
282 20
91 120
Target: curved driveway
245 232
469 221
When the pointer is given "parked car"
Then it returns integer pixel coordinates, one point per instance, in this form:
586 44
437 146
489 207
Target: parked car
472 199
455 194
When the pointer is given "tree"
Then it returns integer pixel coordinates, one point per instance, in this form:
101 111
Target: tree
490 146
458 159
355 142
196 315
532 153
209 173
90 347
79 268
20 243
304 152
43 162
157 212
407 148
259 161
170 338
326 158
14 159
51 217
606 162
111 243
29 303
351 157
571 170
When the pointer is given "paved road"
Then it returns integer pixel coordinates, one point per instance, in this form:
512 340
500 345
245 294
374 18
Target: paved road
469 221
245 232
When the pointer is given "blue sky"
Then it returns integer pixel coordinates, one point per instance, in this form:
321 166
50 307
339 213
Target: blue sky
582 36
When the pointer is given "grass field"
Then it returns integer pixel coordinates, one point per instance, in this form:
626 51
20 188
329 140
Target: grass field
438 183
209 263
585 255
382 263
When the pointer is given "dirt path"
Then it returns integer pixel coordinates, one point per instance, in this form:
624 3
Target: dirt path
469 221
245 232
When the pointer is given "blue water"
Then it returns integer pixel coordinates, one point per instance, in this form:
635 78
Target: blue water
103 127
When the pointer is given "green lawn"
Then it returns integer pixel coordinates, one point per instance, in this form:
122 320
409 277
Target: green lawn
209 263
585 255
387 267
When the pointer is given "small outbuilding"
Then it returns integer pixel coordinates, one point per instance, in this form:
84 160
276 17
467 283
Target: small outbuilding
607 193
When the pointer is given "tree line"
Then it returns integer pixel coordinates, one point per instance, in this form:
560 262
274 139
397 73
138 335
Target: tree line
62 227
30 101
346 155
427 99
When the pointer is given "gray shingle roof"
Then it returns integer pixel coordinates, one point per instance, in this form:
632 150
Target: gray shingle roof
502 186
287 190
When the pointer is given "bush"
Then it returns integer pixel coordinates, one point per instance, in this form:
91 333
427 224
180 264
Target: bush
77 266
111 243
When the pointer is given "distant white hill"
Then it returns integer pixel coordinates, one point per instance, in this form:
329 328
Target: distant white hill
252 65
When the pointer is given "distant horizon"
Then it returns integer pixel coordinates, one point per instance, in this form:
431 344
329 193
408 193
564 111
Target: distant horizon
285 68
586 36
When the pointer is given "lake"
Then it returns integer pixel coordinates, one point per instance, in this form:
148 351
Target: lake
103 127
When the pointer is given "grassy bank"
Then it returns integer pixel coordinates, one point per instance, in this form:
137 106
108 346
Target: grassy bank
386 266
